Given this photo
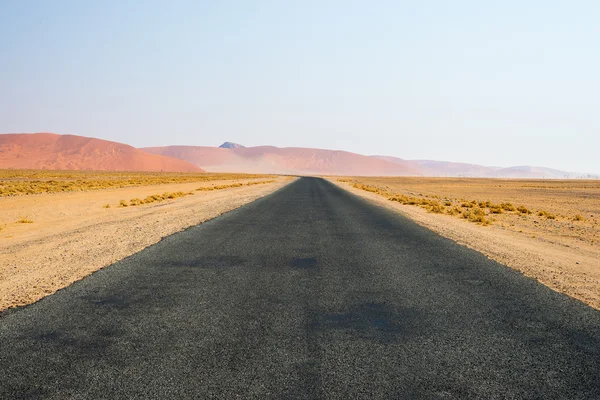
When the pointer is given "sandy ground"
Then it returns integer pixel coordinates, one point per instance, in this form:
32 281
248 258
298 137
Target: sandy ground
562 254
72 234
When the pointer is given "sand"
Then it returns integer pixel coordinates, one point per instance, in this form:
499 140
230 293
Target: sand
563 254
72 234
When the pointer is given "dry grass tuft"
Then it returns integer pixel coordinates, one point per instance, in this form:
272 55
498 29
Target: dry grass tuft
25 220
546 214
508 207
233 185
477 215
496 209
523 210
106 206
454 211
436 207
135 202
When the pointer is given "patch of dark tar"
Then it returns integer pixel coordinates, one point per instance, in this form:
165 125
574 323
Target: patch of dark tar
304 263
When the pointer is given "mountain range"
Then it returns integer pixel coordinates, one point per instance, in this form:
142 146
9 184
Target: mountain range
71 152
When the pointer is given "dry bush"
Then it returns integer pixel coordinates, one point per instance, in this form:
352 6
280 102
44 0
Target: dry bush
367 188
24 220
477 215
523 210
448 203
578 217
496 209
234 185
546 214
153 198
106 206
436 207
454 211
508 207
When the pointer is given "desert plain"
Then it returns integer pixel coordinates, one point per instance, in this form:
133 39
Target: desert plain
547 229
57 227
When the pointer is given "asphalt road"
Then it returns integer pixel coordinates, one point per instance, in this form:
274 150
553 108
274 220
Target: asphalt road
310 292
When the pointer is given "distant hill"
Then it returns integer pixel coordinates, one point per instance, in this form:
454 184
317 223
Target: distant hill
531 172
443 168
455 169
231 145
70 152
288 160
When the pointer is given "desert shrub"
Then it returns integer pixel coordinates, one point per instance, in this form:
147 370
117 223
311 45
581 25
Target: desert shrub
123 203
454 211
399 198
24 220
447 203
523 210
153 198
466 205
496 209
436 207
578 217
251 183
478 211
546 214
477 215
508 207
106 206
135 202
368 188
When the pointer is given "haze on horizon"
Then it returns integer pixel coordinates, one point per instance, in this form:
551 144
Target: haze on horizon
502 84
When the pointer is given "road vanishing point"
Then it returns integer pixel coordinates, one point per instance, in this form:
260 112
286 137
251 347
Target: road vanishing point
310 292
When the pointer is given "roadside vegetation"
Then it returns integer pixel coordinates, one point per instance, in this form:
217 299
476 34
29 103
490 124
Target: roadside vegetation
29 182
482 212
175 195
233 185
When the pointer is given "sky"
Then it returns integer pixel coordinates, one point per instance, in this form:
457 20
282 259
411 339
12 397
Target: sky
499 83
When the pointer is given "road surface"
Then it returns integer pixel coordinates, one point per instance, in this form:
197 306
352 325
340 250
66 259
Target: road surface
310 292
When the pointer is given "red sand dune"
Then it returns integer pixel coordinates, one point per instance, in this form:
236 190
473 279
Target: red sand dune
70 152
289 160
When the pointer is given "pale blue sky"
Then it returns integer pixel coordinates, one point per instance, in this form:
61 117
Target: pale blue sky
496 83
